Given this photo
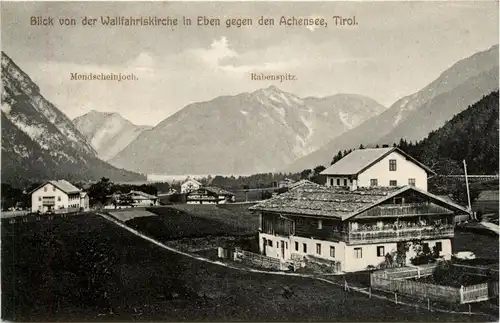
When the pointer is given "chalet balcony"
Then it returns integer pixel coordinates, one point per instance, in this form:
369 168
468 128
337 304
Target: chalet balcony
400 234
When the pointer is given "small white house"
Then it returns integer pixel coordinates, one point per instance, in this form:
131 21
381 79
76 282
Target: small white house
58 196
372 167
190 185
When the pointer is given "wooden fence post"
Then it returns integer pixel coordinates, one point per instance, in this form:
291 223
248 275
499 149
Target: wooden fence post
396 297
428 304
370 290
469 310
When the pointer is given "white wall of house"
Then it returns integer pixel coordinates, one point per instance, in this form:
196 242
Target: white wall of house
145 202
446 248
48 191
274 250
359 257
189 186
405 170
85 203
311 245
337 181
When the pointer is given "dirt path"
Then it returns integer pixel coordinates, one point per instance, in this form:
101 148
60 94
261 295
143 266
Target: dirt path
364 291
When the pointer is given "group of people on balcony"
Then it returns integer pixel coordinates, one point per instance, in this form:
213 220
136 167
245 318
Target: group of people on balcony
397 225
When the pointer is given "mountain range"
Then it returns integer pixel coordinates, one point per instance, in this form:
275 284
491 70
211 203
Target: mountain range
413 117
108 133
39 142
246 133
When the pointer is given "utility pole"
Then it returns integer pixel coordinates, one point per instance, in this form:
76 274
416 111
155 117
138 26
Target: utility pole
467 186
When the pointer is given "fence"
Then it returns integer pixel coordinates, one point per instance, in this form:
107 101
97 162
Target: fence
474 293
395 280
258 259
478 270
413 288
406 272
32 217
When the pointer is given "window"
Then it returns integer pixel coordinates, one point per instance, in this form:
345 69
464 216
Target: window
373 182
286 245
304 247
392 165
393 183
439 246
320 224
331 181
358 253
318 248
53 188
296 246
338 181
345 182
411 181
58 199
45 189
380 251
277 244
270 243
332 251
39 199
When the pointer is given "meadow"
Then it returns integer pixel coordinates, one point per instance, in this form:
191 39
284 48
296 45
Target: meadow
85 268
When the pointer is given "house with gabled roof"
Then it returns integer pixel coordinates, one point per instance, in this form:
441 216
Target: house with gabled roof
301 183
357 228
209 195
57 196
190 185
372 167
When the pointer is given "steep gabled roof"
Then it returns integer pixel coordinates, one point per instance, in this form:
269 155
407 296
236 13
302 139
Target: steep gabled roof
191 180
143 195
217 190
361 159
490 195
338 203
62 184
302 182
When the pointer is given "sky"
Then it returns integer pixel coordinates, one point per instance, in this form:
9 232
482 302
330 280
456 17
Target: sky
395 49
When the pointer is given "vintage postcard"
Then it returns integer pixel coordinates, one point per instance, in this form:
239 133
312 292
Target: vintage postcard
250 161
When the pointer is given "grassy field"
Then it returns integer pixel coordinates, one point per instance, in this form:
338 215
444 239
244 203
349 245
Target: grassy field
194 221
483 246
85 268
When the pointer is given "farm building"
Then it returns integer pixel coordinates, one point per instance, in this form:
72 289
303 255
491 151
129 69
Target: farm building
302 182
131 199
377 167
355 228
84 201
285 182
190 185
58 196
486 202
209 195
142 199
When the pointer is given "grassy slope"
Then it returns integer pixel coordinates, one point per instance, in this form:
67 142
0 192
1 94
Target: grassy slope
44 265
185 220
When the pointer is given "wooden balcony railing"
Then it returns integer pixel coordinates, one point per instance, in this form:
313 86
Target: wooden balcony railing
402 234
406 209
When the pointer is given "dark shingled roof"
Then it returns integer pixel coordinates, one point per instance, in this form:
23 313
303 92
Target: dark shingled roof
336 202
217 190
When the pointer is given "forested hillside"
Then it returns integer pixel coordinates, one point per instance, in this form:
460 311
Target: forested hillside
472 135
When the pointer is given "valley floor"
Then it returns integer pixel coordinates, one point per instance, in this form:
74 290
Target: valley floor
85 268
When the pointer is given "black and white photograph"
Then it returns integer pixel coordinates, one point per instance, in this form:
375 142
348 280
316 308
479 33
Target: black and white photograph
256 161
